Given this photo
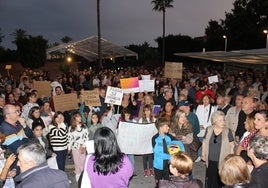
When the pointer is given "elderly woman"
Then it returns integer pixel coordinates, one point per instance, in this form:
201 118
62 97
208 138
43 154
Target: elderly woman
217 144
234 172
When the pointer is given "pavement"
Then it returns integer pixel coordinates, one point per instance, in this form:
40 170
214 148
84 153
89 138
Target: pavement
138 181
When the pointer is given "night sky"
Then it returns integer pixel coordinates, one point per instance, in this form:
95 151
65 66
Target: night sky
123 22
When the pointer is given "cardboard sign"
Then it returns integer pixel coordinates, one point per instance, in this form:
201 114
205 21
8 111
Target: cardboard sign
213 79
65 102
114 95
173 70
146 85
43 88
131 136
129 85
8 67
91 98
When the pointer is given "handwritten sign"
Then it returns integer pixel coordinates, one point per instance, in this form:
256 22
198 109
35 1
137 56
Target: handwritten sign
43 88
65 102
213 79
129 85
146 85
8 67
131 136
173 70
114 95
91 98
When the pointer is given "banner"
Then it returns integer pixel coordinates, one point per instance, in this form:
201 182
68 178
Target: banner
173 70
213 79
65 102
129 85
146 85
91 98
114 95
43 88
131 136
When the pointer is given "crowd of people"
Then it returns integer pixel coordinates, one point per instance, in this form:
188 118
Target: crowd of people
217 123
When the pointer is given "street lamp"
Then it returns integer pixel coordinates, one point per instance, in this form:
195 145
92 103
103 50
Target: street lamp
225 42
266 32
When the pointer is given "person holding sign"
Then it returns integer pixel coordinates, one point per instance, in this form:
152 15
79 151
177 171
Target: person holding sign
161 141
147 117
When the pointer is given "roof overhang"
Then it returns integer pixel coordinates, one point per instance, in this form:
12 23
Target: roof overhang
88 48
255 56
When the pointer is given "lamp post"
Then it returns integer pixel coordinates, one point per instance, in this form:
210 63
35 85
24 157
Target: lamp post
266 32
225 42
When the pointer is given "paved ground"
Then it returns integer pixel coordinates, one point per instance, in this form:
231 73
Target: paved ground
138 181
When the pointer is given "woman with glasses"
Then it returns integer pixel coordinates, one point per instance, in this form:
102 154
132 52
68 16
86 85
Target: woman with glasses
217 144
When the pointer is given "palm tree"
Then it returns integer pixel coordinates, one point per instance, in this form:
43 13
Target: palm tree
19 34
162 5
99 35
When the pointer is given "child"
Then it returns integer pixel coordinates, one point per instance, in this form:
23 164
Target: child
93 123
147 117
37 129
160 143
77 137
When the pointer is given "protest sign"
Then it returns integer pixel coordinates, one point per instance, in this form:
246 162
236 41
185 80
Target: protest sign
146 77
213 79
129 85
43 88
91 98
146 85
131 136
65 102
114 95
173 70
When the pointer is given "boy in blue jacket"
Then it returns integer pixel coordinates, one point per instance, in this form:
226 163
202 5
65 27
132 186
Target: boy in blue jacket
161 141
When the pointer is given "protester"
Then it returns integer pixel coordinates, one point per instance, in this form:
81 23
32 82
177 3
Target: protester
258 152
108 167
77 137
58 138
34 117
93 123
32 98
181 166
234 172
34 169
217 144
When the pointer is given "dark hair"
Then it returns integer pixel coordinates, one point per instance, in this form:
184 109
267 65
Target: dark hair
125 111
108 156
55 116
95 114
32 110
161 122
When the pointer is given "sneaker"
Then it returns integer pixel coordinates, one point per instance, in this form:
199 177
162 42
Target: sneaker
152 172
145 173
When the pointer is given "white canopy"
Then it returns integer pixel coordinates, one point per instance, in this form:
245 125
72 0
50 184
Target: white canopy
88 48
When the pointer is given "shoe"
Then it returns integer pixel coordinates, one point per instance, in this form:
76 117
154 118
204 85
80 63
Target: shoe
198 159
145 173
151 171
69 156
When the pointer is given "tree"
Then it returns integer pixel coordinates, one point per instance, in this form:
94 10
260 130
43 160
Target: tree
161 6
66 39
19 34
32 51
214 36
99 35
1 36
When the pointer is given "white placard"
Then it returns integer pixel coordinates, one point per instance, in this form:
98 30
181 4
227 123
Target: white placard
146 77
213 79
146 85
52 163
90 146
114 95
136 138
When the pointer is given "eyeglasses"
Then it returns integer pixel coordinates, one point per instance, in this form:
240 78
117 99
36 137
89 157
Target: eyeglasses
15 112
215 139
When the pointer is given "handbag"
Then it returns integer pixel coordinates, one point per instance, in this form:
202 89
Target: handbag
196 144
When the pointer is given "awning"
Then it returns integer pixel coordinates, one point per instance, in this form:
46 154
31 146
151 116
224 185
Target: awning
255 56
88 48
